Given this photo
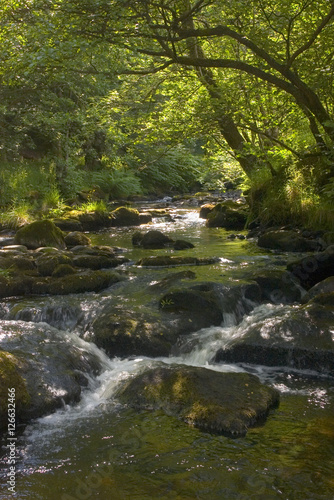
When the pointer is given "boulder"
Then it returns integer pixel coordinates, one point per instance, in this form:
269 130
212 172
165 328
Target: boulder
68 224
152 239
287 241
46 368
182 245
126 333
205 210
124 216
47 263
199 305
221 403
229 215
42 233
92 221
278 287
299 338
76 238
210 304
315 268
324 287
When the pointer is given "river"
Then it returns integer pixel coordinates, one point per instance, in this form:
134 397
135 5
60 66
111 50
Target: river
99 449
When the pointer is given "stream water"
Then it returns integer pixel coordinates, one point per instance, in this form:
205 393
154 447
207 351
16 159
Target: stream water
99 449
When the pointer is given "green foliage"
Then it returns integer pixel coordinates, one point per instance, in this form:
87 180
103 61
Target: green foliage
174 169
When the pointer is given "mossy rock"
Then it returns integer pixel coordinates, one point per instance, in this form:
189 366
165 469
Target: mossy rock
229 215
42 233
93 281
76 238
152 239
125 333
68 224
286 241
63 270
205 210
125 216
222 403
11 378
47 263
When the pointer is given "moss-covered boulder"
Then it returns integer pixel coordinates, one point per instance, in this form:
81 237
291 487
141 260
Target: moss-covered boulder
222 403
46 367
125 216
182 245
46 263
42 233
151 239
76 238
287 241
124 333
229 215
11 378
68 224
199 304
205 210
91 281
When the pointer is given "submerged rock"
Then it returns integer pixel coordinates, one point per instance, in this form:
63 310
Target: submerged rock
222 403
167 260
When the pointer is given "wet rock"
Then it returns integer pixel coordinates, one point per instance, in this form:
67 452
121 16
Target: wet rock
278 287
124 216
10 377
324 287
125 333
171 279
47 263
205 210
167 260
68 224
151 239
91 281
199 304
91 221
63 270
229 215
210 304
182 245
47 368
221 403
315 268
300 339
287 241
41 233
76 238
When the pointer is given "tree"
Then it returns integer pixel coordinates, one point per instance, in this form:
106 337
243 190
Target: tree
252 57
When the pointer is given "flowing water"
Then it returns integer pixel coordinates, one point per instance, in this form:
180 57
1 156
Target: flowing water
99 449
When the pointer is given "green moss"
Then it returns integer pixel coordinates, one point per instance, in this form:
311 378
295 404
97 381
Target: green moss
11 378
